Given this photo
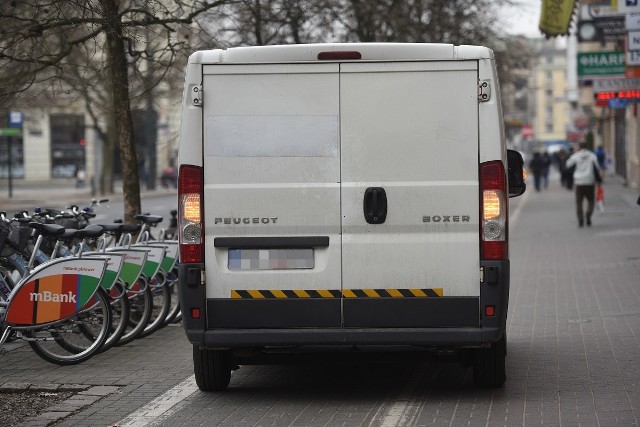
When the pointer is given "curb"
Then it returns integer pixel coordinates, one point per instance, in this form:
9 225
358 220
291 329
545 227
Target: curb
29 203
20 387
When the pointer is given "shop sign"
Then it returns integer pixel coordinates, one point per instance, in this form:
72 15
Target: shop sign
10 132
604 63
633 41
598 11
628 6
601 30
555 17
632 21
615 84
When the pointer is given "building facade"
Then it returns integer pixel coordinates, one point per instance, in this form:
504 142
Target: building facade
552 106
56 143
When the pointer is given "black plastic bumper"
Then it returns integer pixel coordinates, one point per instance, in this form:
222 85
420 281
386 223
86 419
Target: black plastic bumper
452 322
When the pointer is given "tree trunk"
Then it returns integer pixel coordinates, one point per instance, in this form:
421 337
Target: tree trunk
117 68
110 141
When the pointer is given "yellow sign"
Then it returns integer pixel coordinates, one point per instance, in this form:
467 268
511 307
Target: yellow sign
555 17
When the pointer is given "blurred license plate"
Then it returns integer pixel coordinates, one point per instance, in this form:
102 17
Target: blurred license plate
270 259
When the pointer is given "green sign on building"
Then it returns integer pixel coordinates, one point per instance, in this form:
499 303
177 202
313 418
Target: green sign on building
608 63
10 132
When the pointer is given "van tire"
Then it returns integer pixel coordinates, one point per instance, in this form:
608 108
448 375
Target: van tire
489 368
212 368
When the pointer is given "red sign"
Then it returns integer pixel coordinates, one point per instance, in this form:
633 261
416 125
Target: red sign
574 136
632 72
623 94
527 131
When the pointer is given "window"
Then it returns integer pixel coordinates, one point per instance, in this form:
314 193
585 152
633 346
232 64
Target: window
67 144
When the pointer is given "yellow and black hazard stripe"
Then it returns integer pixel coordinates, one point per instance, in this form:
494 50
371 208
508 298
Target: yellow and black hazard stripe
292 294
336 293
392 293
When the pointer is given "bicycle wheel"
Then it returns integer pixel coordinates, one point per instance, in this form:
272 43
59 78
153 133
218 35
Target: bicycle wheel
140 307
119 315
174 309
6 285
67 342
161 306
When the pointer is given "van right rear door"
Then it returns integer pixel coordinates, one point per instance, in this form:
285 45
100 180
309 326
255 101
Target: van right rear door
409 141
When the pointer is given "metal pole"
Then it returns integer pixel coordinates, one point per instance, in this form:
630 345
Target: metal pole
10 161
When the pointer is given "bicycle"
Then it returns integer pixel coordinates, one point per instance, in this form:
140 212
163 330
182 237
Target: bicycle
53 306
73 238
138 292
168 270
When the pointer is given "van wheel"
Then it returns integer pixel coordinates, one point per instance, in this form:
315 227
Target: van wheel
489 369
212 368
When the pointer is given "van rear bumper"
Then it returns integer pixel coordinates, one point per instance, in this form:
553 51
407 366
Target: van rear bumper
451 322
435 337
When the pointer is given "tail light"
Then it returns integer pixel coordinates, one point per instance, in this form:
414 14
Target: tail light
190 214
493 208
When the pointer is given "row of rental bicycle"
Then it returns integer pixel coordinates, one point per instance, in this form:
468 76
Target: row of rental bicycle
72 289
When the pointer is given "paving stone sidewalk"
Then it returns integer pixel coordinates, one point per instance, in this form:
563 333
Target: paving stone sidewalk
107 387
573 328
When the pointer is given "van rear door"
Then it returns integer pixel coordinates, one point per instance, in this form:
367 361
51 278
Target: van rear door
272 195
409 142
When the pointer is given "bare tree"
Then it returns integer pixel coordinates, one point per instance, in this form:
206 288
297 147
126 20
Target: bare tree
260 22
268 22
428 21
41 39
264 22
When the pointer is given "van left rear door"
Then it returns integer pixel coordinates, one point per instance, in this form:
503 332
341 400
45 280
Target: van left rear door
272 195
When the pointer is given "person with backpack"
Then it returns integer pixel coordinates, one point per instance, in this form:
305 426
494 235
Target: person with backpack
536 166
585 176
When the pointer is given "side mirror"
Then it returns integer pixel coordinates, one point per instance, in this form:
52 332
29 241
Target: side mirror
515 173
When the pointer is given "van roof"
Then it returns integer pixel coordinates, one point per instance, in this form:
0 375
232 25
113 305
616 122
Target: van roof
367 52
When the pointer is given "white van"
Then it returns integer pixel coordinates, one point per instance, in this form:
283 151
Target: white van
344 194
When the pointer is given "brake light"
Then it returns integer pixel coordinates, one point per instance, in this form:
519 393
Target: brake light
339 55
190 214
493 206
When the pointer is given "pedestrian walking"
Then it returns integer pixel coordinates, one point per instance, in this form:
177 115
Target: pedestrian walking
568 171
546 164
81 177
561 158
601 155
536 167
585 176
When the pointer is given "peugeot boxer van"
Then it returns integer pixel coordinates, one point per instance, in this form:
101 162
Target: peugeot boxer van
344 195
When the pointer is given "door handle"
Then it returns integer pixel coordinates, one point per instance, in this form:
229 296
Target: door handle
374 205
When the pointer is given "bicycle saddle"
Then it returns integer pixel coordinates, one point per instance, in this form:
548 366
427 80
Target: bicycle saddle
149 219
48 229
